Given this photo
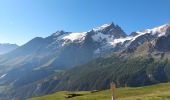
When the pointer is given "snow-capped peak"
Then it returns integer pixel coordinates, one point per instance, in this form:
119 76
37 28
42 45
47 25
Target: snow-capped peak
63 38
104 26
159 31
109 35
75 36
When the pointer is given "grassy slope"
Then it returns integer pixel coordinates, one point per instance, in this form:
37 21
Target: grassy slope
155 92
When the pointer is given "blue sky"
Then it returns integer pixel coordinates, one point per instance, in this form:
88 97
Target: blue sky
22 20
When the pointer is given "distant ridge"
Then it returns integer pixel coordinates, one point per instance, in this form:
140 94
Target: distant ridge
7 47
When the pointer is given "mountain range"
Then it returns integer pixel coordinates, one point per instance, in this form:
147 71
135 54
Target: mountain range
86 61
6 47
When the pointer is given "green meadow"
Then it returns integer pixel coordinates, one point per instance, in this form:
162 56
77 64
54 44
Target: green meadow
154 92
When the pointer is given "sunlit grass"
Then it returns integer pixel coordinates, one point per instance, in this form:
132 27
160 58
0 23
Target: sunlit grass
155 92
